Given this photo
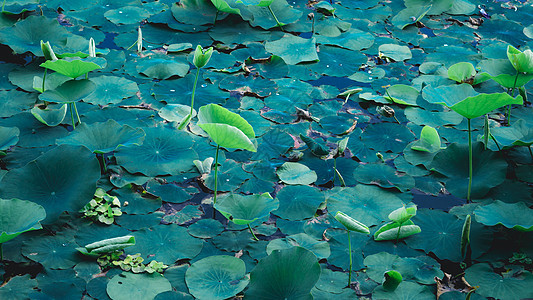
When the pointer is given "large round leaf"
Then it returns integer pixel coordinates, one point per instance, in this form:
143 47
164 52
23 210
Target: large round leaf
111 89
296 173
62 179
504 286
284 274
162 68
18 287
488 169
127 286
298 202
242 210
55 252
216 277
319 248
164 151
9 136
127 15
69 91
476 106
227 129
511 215
166 243
19 216
103 137
384 176
395 52
26 35
71 68
387 136
293 49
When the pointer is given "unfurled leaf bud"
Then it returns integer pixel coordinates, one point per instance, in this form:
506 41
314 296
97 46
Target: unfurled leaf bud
48 51
386 111
140 40
92 48
201 56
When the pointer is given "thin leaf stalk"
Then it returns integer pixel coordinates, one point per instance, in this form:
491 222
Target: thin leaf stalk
470 168
509 106
76 111
350 253
251 231
1 249
216 176
194 89
44 78
398 234
72 115
530 152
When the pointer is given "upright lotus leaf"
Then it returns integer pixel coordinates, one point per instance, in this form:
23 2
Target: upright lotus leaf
402 94
395 52
503 72
462 72
104 137
128 285
163 151
402 214
62 179
284 274
391 280
296 173
244 209
508 285
50 116
521 61
9 136
226 128
224 6
47 50
429 140
72 68
517 216
26 35
216 277
19 216
476 106
69 91
293 50
201 56
350 223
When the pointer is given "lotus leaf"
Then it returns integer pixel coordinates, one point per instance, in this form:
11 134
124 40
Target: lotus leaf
226 128
402 94
54 252
395 52
9 136
216 277
353 39
293 49
387 136
296 173
384 176
476 106
243 210
488 169
50 116
521 61
69 91
19 216
63 178
406 290
27 34
350 223
206 228
503 72
162 68
105 137
18 287
429 140
502 286
284 274
518 134
165 243
9 108
396 231
164 151
194 12
517 216
127 15
461 72
319 248
298 202
111 90
261 15
73 68
410 15
138 286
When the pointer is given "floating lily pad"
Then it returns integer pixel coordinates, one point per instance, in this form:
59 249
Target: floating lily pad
55 252
18 287
126 15
296 173
216 277
293 49
111 90
395 52
162 68
71 174
402 94
104 137
9 136
243 210
517 216
284 274
19 216
129 285
319 248
298 202
501 286
384 176
164 151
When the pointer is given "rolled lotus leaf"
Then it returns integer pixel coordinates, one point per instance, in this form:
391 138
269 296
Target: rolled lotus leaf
465 236
391 280
402 214
112 241
201 56
350 223
107 246
392 231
